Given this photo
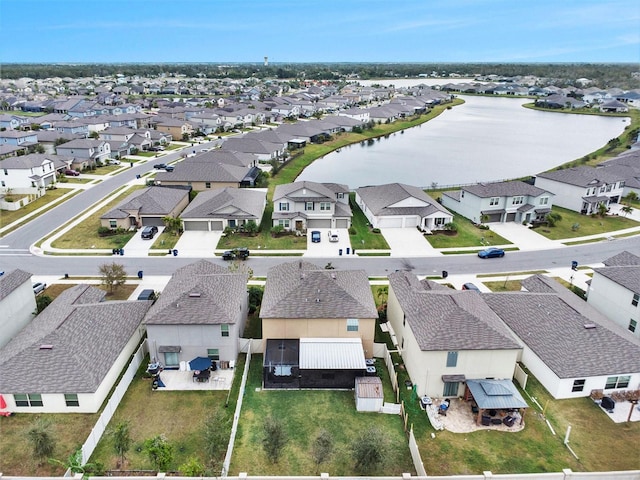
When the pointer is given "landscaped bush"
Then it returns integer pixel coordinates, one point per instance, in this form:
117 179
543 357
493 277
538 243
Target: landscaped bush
108 232
375 230
353 231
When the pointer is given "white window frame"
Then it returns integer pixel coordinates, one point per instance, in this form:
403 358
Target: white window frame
353 324
494 201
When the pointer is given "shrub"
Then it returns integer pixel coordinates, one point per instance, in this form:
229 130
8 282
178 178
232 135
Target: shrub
105 231
277 230
352 230
375 230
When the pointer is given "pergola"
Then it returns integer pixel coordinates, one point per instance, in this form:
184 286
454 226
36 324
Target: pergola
490 394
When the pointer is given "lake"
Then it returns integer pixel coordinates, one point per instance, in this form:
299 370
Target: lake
486 139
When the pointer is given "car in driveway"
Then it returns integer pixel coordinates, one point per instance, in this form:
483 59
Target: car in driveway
315 236
169 168
240 253
149 232
39 287
147 294
470 286
333 236
113 161
491 252
71 173
160 166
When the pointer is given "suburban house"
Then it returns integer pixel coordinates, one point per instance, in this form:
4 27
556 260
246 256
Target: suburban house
264 150
85 152
68 358
500 202
305 205
215 210
318 326
173 126
18 138
17 303
27 174
446 336
206 175
147 206
582 189
396 205
201 312
568 345
614 291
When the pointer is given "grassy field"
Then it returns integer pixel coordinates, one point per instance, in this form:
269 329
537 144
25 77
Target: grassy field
304 413
468 235
85 234
7 217
575 225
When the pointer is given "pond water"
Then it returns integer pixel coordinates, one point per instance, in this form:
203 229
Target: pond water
486 139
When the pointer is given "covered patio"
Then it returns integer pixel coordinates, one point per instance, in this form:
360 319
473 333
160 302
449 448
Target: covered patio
495 402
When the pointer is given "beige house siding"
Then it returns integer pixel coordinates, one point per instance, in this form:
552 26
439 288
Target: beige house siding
201 186
319 328
120 222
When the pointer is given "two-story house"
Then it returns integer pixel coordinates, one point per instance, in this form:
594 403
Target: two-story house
17 303
582 189
28 173
500 202
202 312
85 152
614 291
18 138
318 326
304 205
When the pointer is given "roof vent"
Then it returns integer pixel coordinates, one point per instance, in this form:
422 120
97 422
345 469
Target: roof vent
589 326
46 347
194 295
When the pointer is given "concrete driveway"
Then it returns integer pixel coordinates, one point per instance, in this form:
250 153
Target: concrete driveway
326 248
522 237
138 246
198 244
407 242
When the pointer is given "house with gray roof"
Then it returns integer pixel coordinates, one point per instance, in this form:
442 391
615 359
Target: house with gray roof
614 291
500 202
201 313
215 210
85 152
582 189
17 303
397 205
318 326
447 336
68 358
28 174
264 150
568 345
201 175
305 205
147 206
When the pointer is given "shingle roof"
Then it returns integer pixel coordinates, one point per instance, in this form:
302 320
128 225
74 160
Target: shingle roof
287 189
627 276
149 201
582 176
12 280
503 189
552 325
187 171
300 289
445 319
380 198
27 161
200 293
86 336
227 203
622 259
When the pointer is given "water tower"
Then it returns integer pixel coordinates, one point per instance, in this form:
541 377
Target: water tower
266 61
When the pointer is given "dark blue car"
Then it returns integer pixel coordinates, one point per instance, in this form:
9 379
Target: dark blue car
491 252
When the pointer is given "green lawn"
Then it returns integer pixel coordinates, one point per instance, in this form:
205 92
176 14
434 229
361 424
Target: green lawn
575 225
165 240
504 286
304 414
7 217
468 235
85 234
364 237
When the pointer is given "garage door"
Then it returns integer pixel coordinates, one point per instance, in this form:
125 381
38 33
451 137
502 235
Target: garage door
411 222
216 225
390 222
195 226
495 217
316 223
511 217
342 223
157 221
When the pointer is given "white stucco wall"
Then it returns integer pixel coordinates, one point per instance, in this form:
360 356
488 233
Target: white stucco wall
16 311
614 301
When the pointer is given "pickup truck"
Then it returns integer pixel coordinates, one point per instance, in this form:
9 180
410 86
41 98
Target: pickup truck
241 253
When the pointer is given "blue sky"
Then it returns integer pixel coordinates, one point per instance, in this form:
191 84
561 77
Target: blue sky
320 31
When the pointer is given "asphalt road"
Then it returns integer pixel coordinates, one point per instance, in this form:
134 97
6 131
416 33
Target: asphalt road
14 248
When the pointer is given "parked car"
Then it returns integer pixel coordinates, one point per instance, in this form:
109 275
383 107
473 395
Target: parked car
470 286
147 294
160 166
149 231
169 168
333 236
491 252
315 236
241 253
39 287
71 173
113 161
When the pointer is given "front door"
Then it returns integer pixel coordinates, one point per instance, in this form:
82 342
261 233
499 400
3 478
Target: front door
298 225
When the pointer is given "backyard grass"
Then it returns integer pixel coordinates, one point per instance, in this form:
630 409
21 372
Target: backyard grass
304 413
7 217
468 235
85 234
575 225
